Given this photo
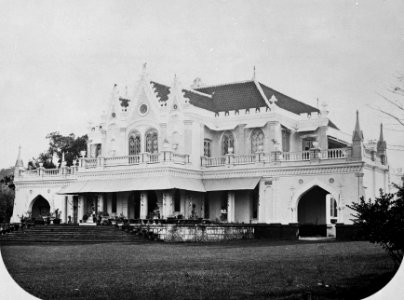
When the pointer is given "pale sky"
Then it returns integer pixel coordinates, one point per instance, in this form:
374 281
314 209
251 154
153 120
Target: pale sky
60 59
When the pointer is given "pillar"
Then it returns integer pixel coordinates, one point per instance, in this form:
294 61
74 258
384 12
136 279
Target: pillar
81 207
188 136
230 206
100 203
168 205
143 205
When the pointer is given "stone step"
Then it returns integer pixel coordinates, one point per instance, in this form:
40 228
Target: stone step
68 233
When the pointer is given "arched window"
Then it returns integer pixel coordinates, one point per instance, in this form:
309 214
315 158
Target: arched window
227 143
134 144
257 140
151 142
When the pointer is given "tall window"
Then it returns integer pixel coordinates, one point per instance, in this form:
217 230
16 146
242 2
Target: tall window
151 142
134 144
333 208
257 140
227 143
255 202
206 148
285 140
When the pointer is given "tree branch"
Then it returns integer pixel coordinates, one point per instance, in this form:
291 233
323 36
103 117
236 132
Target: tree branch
388 114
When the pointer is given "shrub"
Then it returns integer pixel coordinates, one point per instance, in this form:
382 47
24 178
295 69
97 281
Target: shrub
382 221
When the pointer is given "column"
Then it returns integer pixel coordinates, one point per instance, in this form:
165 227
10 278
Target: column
230 206
168 207
100 203
81 207
143 205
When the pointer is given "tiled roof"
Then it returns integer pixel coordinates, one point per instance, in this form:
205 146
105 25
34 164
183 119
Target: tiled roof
161 90
236 96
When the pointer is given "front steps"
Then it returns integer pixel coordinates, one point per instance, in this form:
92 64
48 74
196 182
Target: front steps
68 234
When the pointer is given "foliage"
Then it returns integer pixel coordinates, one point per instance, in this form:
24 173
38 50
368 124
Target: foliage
70 145
7 194
56 214
382 221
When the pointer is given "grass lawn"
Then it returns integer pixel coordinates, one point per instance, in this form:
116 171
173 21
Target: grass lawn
255 269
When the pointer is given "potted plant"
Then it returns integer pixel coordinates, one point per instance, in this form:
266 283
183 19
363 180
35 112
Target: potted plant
57 213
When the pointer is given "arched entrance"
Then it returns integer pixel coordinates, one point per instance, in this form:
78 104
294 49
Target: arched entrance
311 212
40 207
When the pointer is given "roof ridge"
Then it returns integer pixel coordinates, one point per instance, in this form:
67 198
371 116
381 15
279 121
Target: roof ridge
289 96
223 84
198 93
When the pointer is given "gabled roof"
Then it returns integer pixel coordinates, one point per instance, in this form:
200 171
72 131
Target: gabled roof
237 96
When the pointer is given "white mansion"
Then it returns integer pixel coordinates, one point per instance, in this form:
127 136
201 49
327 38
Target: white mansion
236 152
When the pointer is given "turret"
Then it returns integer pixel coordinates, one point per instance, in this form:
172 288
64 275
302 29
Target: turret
19 164
357 140
381 147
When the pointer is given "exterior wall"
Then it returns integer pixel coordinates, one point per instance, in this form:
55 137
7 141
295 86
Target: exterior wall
24 197
375 179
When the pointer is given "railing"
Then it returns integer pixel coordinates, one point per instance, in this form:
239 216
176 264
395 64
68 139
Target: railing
244 159
335 153
56 172
143 158
213 161
89 163
263 157
296 156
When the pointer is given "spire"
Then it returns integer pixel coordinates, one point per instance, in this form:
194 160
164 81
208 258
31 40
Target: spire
381 143
357 134
144 71
357 141
254 77
19 163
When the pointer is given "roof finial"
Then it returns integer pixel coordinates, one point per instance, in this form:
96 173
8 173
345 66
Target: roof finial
318 103
381 138
357 134
19 163
254 74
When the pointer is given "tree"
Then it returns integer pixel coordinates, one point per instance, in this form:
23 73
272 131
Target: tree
7 193
395 101
382 221
70 145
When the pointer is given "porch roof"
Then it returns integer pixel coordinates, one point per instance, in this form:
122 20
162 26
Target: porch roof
133 184
231 184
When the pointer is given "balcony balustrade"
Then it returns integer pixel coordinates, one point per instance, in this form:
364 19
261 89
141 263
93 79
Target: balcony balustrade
265 157
169 157
128 160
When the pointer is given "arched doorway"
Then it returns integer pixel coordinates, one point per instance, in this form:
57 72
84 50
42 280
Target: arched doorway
40 207
311 212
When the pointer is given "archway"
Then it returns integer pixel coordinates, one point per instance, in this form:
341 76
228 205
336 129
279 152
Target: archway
311 212
40 207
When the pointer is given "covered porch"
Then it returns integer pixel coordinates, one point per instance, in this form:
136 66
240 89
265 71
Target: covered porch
165 199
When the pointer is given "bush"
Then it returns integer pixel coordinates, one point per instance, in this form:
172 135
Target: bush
382 221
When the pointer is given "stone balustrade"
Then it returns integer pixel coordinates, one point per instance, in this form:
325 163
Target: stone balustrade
277 156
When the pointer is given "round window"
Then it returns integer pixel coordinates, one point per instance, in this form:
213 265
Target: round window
175 106
143 109
113 115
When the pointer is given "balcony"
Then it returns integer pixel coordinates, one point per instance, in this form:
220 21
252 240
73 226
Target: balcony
274 157
129 160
